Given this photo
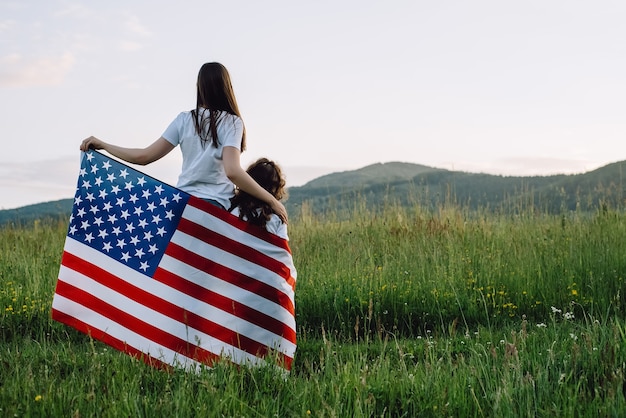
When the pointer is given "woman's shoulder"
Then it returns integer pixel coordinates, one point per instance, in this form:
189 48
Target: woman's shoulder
230 117
184 116
276 226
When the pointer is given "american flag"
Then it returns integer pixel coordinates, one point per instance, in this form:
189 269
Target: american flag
163 275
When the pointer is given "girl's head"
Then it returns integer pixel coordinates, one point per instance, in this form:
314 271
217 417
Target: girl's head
214 91
269 176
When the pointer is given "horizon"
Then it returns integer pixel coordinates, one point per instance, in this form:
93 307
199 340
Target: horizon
302 176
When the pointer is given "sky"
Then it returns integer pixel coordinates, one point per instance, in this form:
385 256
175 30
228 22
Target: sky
532 87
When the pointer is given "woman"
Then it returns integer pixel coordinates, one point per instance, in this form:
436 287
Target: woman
211 137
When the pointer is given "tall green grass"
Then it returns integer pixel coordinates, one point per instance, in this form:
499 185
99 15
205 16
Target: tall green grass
400 312
408 271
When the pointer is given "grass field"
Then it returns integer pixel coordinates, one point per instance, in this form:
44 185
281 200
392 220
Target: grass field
400 313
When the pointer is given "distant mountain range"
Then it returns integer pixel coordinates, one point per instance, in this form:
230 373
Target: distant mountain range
414 184
411 184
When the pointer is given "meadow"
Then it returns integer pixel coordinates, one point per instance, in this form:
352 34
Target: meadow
401 312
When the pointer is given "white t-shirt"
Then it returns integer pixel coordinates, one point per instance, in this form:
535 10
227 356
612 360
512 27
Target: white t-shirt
274 225
203 173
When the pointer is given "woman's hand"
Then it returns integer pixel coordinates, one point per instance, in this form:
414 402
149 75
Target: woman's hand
91 143
280 210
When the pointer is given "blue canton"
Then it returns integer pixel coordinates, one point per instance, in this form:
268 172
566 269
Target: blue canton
123 213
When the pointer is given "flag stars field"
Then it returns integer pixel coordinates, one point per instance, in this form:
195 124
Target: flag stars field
125 199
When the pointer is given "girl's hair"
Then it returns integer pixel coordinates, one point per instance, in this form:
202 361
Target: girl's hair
269 176
215 93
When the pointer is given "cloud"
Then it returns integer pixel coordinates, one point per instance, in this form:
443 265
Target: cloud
17 70
129 46
133 25
7 25
525 166
28 183
135 30
74 10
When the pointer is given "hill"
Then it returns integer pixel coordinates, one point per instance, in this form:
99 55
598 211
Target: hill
430 187
410 184
40 211
371 175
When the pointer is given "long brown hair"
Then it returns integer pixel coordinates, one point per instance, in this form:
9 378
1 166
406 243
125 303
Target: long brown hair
215 93
269 176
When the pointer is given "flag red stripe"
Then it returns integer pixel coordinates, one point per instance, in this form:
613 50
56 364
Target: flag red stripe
236 248
162 306
229 275
136 325
226 304
107 339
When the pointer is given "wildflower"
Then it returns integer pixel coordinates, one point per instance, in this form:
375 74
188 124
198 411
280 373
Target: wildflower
555 310
574 292
573 336
541 325
38 398
568 315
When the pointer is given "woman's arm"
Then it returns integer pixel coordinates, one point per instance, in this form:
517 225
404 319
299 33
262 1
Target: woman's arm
141 156
236 174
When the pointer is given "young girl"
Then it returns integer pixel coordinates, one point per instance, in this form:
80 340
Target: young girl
269 176
211 138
